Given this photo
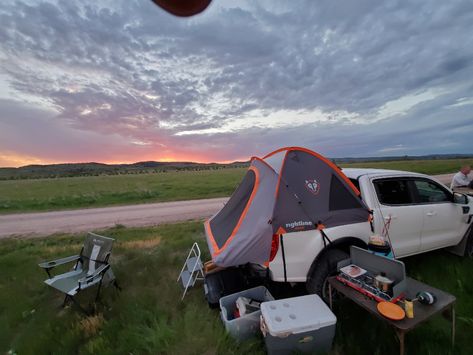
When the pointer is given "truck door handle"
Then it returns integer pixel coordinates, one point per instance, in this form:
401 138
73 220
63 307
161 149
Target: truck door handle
431 213
387 218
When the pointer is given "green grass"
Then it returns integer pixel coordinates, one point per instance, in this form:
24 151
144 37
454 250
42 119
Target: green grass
98 191
430 167
147 317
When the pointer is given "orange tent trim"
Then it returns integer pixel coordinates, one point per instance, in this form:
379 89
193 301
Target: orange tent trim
215 247
325 160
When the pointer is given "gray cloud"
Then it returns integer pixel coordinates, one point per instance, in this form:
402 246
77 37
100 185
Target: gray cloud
127 69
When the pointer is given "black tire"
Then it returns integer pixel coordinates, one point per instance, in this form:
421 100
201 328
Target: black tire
324 267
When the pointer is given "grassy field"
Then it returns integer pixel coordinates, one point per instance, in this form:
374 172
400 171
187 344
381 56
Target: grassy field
98 191
148 318
430 167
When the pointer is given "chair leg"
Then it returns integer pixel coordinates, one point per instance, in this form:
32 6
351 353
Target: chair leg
68 298
79 306
98 291
65 300
115 283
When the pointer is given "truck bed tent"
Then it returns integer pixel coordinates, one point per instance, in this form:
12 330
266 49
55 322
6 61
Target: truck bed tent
291 189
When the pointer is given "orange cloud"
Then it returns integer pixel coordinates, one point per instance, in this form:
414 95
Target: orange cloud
168 156
11 159
109 155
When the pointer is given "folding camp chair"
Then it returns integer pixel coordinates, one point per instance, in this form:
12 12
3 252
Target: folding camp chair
191 270
91 268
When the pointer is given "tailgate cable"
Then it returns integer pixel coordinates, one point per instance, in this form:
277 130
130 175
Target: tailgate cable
283 257
325 238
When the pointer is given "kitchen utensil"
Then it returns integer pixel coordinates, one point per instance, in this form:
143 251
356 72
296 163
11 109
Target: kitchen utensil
383 283
426 297
391 310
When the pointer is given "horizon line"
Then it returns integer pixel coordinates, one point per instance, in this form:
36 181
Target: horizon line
227 162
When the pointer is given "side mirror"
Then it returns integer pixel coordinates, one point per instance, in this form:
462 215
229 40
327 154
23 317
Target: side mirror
460 198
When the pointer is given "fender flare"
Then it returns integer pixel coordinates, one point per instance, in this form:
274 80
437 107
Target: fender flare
460 248
343 243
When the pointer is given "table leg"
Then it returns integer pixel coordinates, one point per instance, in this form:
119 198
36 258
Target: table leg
400 335
330 295
453 325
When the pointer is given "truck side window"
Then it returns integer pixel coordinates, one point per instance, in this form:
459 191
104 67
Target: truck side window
393 192
429 192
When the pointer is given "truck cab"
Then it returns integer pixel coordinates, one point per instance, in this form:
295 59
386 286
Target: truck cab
421 212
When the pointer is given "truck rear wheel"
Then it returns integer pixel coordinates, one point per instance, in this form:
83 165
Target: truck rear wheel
324 267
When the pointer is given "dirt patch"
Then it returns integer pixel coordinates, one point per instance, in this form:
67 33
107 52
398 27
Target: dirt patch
57 249
132 244
141 244
91 325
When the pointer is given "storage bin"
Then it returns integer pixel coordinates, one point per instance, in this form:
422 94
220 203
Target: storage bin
246 326
381 250
303 324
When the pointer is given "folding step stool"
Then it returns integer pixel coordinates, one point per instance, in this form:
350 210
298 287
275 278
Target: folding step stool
192 269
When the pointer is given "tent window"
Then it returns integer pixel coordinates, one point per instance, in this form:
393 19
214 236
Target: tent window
225 221
340 196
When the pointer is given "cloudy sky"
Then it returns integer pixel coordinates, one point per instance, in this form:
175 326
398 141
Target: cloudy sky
123 81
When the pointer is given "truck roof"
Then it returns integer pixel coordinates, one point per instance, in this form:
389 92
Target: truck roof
355 173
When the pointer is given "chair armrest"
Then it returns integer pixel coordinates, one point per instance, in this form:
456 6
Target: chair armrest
53 263
92 277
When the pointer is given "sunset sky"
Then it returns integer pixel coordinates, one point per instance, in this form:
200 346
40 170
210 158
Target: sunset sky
123 81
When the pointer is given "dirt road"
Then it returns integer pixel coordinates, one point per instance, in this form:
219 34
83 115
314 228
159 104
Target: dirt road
45 223
445 178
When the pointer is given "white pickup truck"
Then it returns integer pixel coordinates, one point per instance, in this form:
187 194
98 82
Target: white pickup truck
424 215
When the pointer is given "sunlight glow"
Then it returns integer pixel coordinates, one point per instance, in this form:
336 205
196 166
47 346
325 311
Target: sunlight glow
11 159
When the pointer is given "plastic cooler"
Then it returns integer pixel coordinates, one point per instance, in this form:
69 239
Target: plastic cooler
303 324
246 326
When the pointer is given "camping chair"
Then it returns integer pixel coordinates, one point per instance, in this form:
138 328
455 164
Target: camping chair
91 268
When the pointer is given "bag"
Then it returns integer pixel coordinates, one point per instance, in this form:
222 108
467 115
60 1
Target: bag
223 283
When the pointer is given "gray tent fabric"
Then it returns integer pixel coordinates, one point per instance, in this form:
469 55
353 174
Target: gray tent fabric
248 240
225 222
309 188
290 190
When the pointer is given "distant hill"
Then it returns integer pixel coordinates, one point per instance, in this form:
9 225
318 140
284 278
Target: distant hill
402 157
95 169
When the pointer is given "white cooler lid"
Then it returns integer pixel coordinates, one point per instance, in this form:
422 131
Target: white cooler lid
296 315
